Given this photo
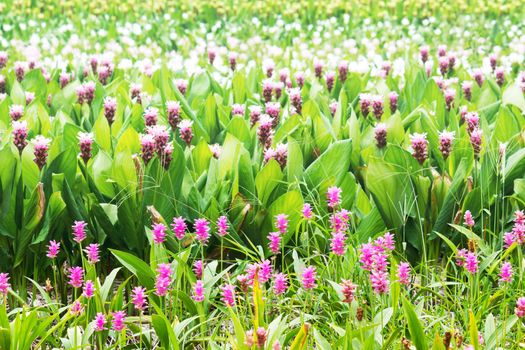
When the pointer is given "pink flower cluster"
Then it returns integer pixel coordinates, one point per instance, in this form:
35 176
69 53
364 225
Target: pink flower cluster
374 258
163 280
468 260
517 234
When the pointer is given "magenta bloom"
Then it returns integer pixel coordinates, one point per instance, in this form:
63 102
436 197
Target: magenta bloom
85 141
337 243
159 233
500 76
119 317
469 220
520 307
89 289
3 59
506 273
222 226
333 196
110 107
228 295
92 253
281 223
76 308
265 131
379 281
275 242
53 249
41 146
450 95
471 262
377 106
100 322
348 291
238 109
476 139
445 142
182 85
262 335
342 69
477 74
150 116
267 90
173 111
380 135
20 134
307 211
139 298
265 271
163 280
185 131
280 283
198 291
4 283
198 266
232 59
472 119
79 231
419 147
519 217
255 113
179 227
308 278
160 135
403 273
202 230
508 239
273 109
76 276
330 79
423 53
393 98
16 112
466 86
365 101
148 147
212 53
318 69
299 78
296 99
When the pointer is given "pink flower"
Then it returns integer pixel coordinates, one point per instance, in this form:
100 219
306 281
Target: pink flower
139 298
366 253
222 226
228 295
255 113
478 76
508 239
89 289
273 109
318 69
249 338
76 275
135 91
379 281
20 134
232 59
185 131
202 230
471 263
173 111
148 147
265 131
377 106
339 221
342 69
92 253
216 150
160 135
380 135
460 257
280 283
296 99
337 243
275 242
100 322
150 116
110 107
299 78
119 317
419 147
466 86
520 307
519 217
423 53
267 90
3 59
393 98
281 223
403 273
469 220
76 308
182 85
179 227
308 277
476 140
16 112
4 283
500 76
212 53
330 78
198 266
472 119
159 233
443 65
198 291
333 196
163 280
348 290
85 141
53 249
493 59
265 271
262 335
238 109
41 146
307 211
506 272
79 231
445 142
20 70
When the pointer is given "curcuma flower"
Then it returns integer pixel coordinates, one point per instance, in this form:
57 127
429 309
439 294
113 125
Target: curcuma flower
476 139
4 283
151 116
337 243
228 295
280 283
198 291
307 211
41 146
419 147
202 230
179 227
445 142
222 226
79 231
403 273
159 233
92 252
20 134
274 242
163 280
85 141
110 107
76 275
16 112
506 272
76 308
333 196
308 277
89 289
118 320
53 249
380 135
520 307
469 220
139 298
186 131
198 267
348 290
100 322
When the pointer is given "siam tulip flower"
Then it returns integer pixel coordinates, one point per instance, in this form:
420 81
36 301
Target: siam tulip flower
477 74
330 78
76 308
265 271
467 90
333 196
53 249
268 67
493 59
518 231
148 146
519 217
118 321
202 230
238 109
255 113
469 220
110 107
222 226
20 134
159 233
299 78
186 131
265 131
295 99
318 69
275 242
442 50
440 82
385 68
333 107
92 252
182 85
267 90
520 307
30 97
443 65
508 239
76 274
419 147
103 74
198 267
16 112
393 98
273 109
379 260
88 91
79 231
379 281
135 92
89 289
65 78
244 282
339 221
151 116
163 279
451 61
348 290
2 85
232 59
506 272
160 135
139 298
166 155
216 150
93 62
85 141
423 53
212 53
262 335
471 262
472 120
283 75
249 338
278 89
198 291
386 242
3 59
342 69
20 70
403 273
280 283
173 111
445 142
281 222
100 322
500 76
307 211
377 106
450 95
476 139
228 295
337 243
380 135
41 146
4 283
308 278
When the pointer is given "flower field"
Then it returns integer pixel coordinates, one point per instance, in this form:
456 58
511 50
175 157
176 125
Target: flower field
214 175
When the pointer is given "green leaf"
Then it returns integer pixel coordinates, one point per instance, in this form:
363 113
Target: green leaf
136 266
267 179
415 328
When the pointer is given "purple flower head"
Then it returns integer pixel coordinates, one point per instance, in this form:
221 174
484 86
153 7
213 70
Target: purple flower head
506 273
307 211
85 141
299 78
139 298
186 131
40 148
365 101
202 230
20 134
173 111
333 196
281 222
110 108
76 275
318 69
212 53
275 242
477 74
4 283
16 112
151 115
393 97
280 283
79 231
232 59
92 253
76 308
520 307
89 289
228 295
330 79
118 321
450 95
265 131
159 233
163 280
295 99
423 53
443 65
53 249
348 290
403 273
337 243
445 142
471 262
466 86
255 113
380 135
148 147
100 322
469 220
182 85
179 227
379 281
238 109
500 76
308 277
342 69
476 139
419 147
198 291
